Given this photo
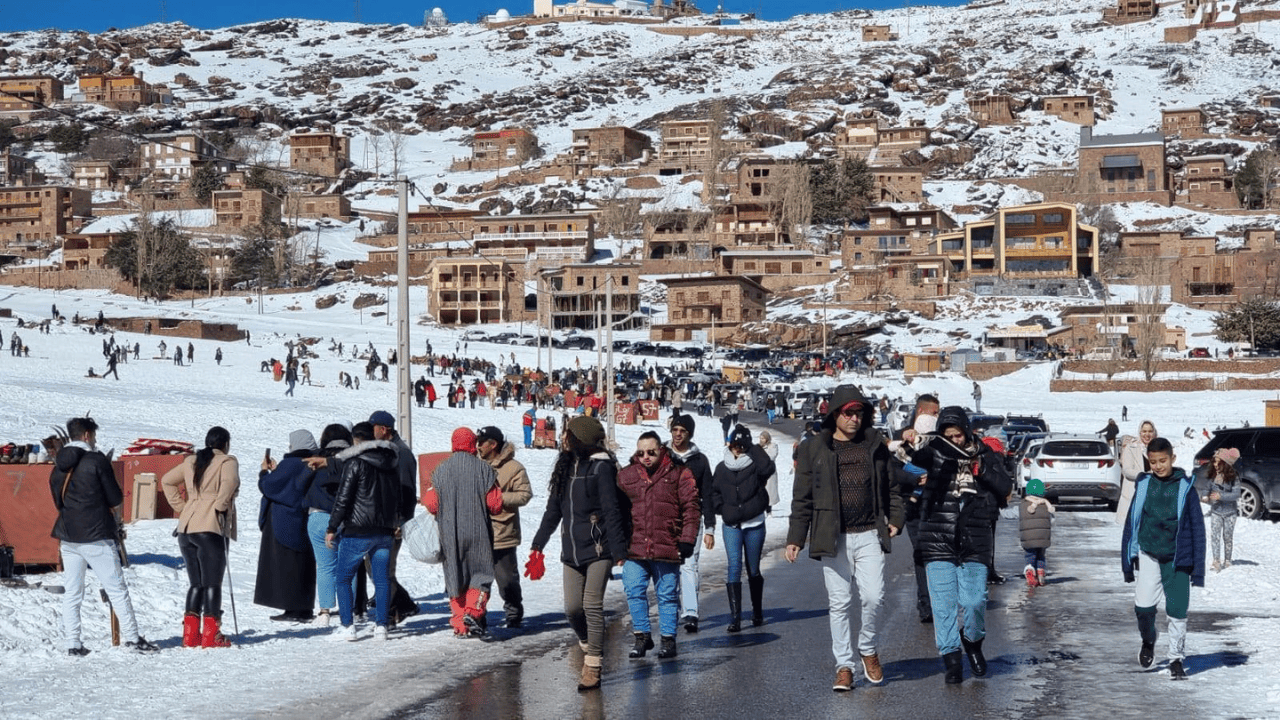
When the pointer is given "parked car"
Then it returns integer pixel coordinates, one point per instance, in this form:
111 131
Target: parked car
901 417
1077 467
1025 464
473 336
1037 420
1258 467
579 342
621 345
1199 352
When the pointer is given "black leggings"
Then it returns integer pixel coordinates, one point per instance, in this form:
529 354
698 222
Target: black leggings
205 554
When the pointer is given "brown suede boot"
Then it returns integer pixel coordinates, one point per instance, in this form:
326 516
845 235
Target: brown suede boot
590 673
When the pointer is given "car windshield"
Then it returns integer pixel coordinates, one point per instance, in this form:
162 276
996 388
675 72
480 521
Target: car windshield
1075 448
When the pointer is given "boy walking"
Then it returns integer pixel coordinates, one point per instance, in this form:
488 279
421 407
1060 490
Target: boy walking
1035 524
1163 549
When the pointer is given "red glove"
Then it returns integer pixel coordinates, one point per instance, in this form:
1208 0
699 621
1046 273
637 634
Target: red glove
535 568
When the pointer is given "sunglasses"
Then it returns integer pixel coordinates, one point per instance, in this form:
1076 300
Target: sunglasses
851 410
650 453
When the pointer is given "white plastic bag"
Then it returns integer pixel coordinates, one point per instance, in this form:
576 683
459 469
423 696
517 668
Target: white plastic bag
421 537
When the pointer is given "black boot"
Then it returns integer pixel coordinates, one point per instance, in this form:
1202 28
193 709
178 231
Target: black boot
955 667
756 585
735 606
1147 628
977 663
644 643
668 647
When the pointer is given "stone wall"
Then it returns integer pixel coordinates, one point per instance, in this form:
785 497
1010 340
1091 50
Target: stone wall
1202 366
988 370
1191 385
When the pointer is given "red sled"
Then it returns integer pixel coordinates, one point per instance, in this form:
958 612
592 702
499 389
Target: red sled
152 446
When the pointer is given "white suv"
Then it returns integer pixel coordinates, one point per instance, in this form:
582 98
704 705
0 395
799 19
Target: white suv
1078 467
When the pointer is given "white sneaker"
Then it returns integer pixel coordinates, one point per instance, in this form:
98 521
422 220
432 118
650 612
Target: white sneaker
322 618
345 632
380 632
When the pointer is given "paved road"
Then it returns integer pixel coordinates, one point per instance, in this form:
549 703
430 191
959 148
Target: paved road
1065 650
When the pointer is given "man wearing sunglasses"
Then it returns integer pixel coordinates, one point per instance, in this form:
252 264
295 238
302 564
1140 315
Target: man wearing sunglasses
665 515
844 506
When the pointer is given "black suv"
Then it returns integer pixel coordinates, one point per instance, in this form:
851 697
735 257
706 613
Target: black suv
1258 467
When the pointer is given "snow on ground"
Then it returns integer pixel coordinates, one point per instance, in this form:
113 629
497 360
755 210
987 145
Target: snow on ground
296 670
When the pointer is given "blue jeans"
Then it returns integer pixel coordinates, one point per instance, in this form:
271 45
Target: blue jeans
1035 558
735 541
351 552
666 578
953 588
326 559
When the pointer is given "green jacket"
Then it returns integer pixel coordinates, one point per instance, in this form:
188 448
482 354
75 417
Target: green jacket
815 502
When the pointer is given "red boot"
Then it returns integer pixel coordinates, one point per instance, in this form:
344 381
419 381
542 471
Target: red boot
213 636
191 630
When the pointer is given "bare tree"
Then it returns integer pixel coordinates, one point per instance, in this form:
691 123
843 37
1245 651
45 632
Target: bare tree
1146 331
795 203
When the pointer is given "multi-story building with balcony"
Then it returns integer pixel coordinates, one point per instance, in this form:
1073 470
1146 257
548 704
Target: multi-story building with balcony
474 290
176 156
242 209
95 174
573 295
608 145
1118 168
714 304
1185 123
121 92
321 153
1021 243
991 109
33 217
22 96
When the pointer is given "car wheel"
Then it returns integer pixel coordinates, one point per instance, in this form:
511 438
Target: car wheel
1113 505
1250 502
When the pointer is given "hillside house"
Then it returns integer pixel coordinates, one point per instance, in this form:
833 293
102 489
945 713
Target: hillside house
714 304
590 9
546 239
23 96
33 217
120 92
1076 109
857 137
572 295
18 170
475 290
878 33
336 206
676 245
748 224
892 233
1206 181
896 278
1146 254
891 142
176 156
609 145
776 269
685 145
321 153
1130 11
1114 326
1185 123
1119 168
94 174
1044 241
898 185
1213 279
992 109
491 150
82 251
237 210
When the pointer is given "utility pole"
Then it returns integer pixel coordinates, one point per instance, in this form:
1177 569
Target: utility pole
403 366
608 338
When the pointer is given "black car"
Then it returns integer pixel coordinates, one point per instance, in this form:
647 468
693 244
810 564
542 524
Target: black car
1036 420
1258 467
983 422
579 342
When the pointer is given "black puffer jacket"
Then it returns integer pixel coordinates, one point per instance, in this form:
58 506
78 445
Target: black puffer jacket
739 495
368 497
588 509
957 528
84 513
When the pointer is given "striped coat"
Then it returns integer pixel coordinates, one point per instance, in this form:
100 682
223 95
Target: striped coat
464 493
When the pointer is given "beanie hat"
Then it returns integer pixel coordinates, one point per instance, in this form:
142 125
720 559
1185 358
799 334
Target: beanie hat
302 440
490 433
587 430
740 437
463 440
683 421
1035 486
1227 455
383 418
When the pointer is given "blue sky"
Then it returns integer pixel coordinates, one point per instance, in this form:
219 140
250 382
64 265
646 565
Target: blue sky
98 15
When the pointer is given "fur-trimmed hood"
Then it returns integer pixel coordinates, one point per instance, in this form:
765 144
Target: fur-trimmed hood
379 453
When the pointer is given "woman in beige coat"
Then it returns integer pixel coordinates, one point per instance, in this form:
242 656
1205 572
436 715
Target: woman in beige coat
202 490
1133 462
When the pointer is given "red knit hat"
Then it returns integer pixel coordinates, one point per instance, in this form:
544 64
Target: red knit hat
464 440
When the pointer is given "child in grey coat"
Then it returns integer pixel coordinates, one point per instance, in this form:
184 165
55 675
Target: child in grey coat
1219 488
1035 525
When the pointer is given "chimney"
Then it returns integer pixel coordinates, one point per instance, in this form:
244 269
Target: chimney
1086 135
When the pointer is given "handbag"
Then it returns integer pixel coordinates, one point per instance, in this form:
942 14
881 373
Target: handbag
421 537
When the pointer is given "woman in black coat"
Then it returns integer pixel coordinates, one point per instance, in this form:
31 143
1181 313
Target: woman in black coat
966 482
739 494
286 563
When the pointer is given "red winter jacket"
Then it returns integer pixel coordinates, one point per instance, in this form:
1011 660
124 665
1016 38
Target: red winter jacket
664 509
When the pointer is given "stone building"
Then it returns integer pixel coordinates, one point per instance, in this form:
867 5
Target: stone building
892 232
857 137
878 33
318 206
1185 123
176 156
121 92
23 96
1205 277
609 145
1076 109
1109 326
678 244
1119 168
33 217
82 251
1130 11
991 109
18 170
898 185
95 174
1206 181
776 269
321 153
242 209
491 150
892 142
475 290
573 295
714 304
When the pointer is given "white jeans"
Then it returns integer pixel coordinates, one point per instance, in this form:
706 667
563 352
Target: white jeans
102 557
690 578
1149 592
858 559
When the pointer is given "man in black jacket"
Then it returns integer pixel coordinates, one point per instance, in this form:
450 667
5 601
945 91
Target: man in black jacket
685 452
843 505
383 423
88 500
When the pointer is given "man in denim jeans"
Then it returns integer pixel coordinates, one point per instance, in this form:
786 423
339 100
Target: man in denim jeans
843 504
88 500
366 510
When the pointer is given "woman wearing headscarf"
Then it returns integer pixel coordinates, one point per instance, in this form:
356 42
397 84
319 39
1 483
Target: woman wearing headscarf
584 502
1133 462
202 490
286 563
319 500
965 484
